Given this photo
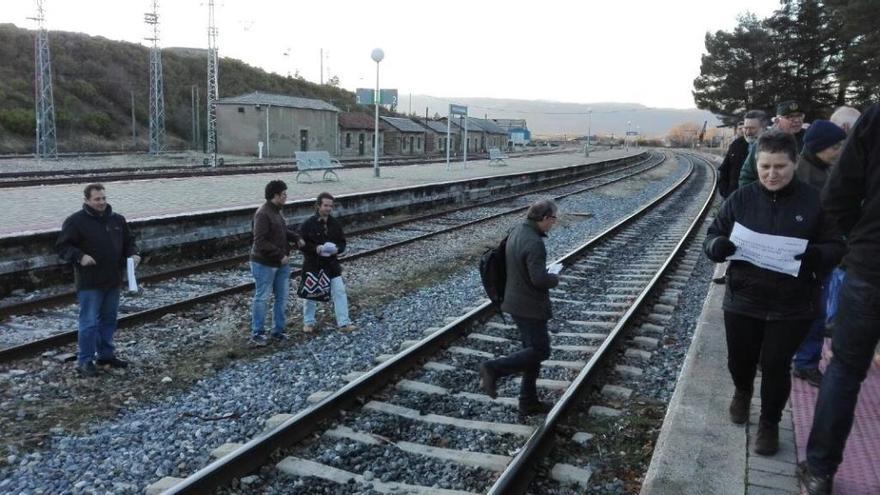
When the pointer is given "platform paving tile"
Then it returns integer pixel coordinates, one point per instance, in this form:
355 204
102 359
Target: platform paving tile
40 208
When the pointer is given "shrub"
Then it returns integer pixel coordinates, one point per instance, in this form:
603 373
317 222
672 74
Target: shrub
18 121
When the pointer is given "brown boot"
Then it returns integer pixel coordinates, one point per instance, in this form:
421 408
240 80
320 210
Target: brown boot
767 441
739 406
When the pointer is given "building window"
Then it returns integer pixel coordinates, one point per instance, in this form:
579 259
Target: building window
348 140
419 145
240 109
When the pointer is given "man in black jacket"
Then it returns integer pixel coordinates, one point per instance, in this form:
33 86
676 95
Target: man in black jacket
728 173
527 299
851 199
323 239
97 242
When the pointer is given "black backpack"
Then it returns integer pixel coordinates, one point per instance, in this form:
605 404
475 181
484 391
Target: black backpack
493 273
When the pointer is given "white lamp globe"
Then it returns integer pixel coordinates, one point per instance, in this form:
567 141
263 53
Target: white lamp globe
377 55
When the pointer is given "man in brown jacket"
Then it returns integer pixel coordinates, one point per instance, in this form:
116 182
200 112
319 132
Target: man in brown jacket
270 256
527 299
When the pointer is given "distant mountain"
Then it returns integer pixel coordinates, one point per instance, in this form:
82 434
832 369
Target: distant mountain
560 118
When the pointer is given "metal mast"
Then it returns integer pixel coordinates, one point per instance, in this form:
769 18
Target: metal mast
45 105
213 90
157 97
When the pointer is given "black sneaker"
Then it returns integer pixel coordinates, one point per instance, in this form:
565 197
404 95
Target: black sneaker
767 441
280 337
487 381
813 484
87 370
739 407
258 341
113 362
532 408
811 375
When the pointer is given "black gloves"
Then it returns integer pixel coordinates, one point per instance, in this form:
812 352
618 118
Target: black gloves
721 248
811 259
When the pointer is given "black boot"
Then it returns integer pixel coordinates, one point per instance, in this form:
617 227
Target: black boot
532 407
487 381
739 406
814 484
767 441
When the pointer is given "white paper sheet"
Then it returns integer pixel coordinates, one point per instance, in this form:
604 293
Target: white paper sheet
773 252
555 268
132 281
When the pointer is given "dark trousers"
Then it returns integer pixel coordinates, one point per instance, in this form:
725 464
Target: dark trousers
536 348
856 332
773 343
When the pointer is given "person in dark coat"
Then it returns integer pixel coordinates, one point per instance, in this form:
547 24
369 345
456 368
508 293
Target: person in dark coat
851 199
270 262
527 299
789 119
766 312
97 242
822 144
728 173
323 240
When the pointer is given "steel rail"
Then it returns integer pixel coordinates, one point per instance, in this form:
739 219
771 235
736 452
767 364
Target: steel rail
69 296
516 477
258 451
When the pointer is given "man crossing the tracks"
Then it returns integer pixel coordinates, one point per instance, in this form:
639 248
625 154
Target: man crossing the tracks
270 262
527 299
97 241
323 241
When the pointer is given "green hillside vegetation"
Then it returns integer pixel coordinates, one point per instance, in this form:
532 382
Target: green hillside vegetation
93 78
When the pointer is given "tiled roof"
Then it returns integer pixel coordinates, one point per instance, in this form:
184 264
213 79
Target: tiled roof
436 125
257 98
403 124
486 125
359 120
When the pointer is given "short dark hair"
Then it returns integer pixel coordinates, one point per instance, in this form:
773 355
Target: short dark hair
541 209
756 114
275 187
776 141
92 187
324 195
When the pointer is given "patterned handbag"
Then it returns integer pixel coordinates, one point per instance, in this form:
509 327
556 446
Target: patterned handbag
314 286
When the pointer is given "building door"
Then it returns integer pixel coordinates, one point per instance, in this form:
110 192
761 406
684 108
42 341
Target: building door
304 140
411 144
361 143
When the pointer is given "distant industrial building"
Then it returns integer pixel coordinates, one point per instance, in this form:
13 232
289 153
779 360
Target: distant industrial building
356 134
518 133
283 124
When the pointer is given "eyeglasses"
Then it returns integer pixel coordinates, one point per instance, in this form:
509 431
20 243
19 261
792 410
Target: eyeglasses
552 216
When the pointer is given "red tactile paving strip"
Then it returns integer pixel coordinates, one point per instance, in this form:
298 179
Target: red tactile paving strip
860 472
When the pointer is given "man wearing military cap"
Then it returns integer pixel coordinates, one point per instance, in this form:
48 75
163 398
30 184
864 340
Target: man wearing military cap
789 119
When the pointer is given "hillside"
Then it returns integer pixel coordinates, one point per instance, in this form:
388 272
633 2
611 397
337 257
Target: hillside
93 78
560 118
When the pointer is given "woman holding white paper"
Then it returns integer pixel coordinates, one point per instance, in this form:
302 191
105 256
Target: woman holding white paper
767 312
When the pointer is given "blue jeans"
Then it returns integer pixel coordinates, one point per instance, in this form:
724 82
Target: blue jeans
340 304
97 323
856 332
810 352
274 279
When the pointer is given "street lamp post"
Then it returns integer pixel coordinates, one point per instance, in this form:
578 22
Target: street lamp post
626 138
377 56
589 130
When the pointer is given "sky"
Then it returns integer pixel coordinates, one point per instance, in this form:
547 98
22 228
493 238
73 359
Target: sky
580 51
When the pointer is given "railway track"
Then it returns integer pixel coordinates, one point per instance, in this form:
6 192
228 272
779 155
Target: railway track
179 289
55 177
424 402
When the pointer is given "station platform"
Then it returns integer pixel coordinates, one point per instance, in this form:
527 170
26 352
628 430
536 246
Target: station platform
42 208
699 451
